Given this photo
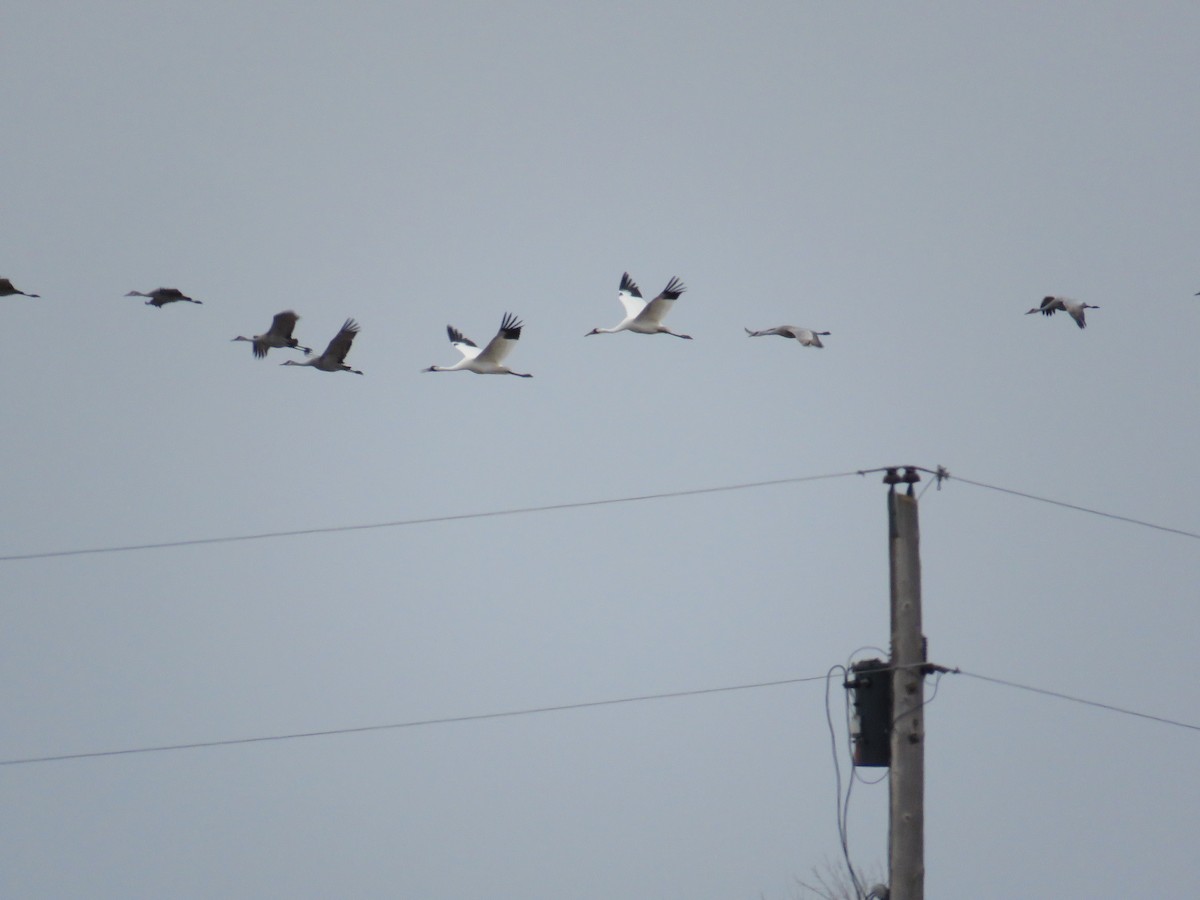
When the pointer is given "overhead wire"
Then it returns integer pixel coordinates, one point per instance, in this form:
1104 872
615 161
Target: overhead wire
588 704
943 474
417 723
940 474
1094 703
427 520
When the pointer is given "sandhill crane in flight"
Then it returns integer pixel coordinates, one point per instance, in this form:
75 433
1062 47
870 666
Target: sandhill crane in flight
642 317
278 335
334 357
1051 305
160 297
7 289
806 336
489 360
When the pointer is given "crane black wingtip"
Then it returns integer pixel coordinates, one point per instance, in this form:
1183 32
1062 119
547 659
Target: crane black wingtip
510 327
674 288
457 337
628 284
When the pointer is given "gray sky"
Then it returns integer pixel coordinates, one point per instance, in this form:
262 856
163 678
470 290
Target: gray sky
910 178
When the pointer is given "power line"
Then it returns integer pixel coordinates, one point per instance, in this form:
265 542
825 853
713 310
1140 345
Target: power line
1085 702
124 548
1095 512
940 474
588 704
479 717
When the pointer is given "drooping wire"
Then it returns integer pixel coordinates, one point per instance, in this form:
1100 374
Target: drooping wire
843 807
928 485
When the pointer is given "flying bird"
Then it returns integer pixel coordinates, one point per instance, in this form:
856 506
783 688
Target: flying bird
489 360
160 297
7 289
334 357
1051 305
278 335
642 317
806 336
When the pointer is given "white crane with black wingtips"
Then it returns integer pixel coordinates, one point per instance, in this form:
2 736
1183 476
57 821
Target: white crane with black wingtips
489 360
642 317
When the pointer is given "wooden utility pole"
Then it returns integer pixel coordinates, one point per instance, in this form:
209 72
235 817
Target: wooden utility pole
906 809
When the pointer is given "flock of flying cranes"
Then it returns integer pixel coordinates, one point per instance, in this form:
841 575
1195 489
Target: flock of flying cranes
641 317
